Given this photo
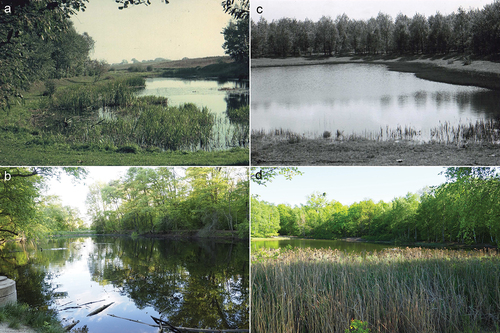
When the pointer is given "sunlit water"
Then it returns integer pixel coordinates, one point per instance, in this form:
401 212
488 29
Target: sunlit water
361 98
204 93
353 247
192 284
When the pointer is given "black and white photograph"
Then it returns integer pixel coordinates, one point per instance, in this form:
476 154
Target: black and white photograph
375 82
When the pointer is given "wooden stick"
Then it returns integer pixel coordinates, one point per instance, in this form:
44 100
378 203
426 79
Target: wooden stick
102 308
214 330
135 321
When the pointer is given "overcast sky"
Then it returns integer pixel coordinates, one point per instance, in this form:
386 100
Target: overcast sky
176 30
357 9
349 184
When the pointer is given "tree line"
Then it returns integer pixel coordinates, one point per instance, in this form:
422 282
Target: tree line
162 200
471 32
25 212
463 209
38 42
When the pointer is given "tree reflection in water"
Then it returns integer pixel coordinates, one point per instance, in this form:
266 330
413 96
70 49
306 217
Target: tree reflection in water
190 283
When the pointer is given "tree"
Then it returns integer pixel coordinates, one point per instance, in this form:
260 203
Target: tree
20 195
236 40
25 39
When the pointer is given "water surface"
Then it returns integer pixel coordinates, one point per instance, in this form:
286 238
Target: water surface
353 247
197 284
361 98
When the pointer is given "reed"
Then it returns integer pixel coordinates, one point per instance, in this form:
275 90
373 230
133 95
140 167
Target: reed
481 131
395 290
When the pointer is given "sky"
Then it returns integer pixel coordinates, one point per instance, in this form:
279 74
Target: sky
357 9
349 184
173 31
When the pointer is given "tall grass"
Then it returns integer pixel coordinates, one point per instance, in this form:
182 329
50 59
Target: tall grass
396 290
110 116
482 131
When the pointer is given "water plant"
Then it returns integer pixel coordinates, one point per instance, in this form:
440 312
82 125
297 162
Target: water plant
395 290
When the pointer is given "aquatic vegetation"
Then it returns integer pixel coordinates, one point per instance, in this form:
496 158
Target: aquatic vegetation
394 290
482 131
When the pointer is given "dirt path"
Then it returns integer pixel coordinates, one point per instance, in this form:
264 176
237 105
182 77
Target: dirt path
365 152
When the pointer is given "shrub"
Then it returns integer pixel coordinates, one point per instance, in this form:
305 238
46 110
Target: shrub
50 88
149 68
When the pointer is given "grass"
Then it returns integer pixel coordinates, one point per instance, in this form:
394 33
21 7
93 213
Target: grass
395 290
74 126
21 314
482 131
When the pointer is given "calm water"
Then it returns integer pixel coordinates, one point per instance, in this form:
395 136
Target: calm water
359 98
209 93
319 244
193 284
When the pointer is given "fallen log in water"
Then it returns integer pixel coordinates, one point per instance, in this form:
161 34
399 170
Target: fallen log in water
70 326
135 321
161 323
102 308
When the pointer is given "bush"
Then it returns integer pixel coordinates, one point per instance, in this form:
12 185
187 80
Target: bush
149 68
50 88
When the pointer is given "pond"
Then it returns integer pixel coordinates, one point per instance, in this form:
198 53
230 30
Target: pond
200 284
342 245
361 99
217 96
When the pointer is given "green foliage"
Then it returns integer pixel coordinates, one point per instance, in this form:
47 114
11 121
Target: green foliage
240 115
160 200
358 326
236 40
21 314
465 209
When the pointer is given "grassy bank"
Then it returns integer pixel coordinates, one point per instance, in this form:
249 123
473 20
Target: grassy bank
21 314
103 123
410 290
447 69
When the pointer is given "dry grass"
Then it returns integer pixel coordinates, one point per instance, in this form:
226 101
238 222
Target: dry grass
396 290
482 131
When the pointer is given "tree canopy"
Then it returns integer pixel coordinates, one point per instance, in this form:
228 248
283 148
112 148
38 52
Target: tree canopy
162 200
472 32
24 212
464 209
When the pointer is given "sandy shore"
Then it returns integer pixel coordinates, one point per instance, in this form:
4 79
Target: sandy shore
449 69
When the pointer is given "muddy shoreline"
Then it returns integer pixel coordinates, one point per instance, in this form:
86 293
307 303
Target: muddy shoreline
370 153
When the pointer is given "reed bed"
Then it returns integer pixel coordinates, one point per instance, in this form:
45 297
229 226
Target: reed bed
109 116
395 290
482 131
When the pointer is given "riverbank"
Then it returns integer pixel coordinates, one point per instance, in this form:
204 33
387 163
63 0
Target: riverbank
271 150
447 69
21 318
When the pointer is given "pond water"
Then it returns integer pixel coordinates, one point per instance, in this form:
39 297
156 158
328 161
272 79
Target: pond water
201 284
355 247
361 99
215 95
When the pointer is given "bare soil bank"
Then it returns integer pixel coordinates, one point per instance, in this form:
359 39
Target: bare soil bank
449 69
366 152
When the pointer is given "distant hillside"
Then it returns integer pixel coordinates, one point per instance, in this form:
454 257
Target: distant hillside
184 63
